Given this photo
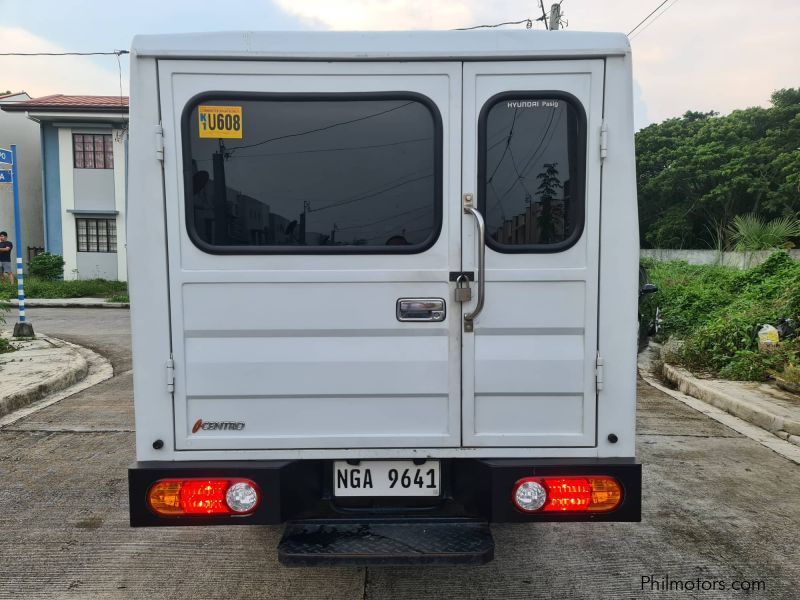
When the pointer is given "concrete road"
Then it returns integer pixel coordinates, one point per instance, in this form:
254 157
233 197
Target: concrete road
719 510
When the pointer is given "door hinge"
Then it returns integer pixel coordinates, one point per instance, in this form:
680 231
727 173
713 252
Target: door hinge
170 376
159 143
603 140
598 372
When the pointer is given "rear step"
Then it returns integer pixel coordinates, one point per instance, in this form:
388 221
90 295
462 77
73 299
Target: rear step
387 543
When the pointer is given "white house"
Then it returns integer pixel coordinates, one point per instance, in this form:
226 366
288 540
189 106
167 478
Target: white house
16 129
83 154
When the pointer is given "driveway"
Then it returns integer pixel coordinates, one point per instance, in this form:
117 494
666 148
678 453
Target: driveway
720 511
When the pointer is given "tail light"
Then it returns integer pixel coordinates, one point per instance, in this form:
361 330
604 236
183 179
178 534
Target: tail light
197 497
591 493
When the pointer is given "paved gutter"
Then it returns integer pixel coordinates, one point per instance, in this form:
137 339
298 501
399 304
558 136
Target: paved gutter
38 368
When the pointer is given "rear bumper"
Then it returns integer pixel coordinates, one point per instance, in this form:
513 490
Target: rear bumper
301 489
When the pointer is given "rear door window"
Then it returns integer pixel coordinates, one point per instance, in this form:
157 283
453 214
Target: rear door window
531 171
267 173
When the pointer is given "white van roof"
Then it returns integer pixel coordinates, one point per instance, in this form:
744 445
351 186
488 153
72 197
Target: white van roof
384 45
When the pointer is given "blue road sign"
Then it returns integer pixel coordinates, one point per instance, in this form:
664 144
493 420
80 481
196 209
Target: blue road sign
6 158
5 176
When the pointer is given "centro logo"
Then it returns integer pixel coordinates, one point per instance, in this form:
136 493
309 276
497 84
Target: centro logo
217 425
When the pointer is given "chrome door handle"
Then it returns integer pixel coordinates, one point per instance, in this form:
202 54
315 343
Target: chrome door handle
421 309
480 275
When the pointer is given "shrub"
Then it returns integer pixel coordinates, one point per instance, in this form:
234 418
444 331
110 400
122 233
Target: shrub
6 346
750 232
39 288
717 311
49 267
791 373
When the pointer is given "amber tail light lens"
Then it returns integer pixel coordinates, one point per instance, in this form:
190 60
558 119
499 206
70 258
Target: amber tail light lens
590 493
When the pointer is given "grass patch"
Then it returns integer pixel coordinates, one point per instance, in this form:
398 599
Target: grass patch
718 311
118 298
84 288
6 346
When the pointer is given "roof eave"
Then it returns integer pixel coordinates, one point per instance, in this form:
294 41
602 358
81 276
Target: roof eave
98 116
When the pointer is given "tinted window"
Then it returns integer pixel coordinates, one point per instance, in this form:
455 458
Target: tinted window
356 173
532 173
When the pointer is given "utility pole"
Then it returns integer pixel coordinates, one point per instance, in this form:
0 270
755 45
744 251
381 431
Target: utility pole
555 16
544 15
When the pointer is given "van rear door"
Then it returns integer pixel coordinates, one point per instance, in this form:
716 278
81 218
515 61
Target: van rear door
313 222
532 163
315 227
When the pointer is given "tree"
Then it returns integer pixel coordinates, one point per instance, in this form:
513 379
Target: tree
548 184
697 172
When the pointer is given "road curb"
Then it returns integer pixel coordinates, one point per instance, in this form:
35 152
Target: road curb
785 428
75 372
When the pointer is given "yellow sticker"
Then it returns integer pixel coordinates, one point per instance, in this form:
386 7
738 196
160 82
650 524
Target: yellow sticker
220 121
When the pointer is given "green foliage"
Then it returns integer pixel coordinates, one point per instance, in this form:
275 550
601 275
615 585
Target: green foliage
791 373
717 311
750 232
548 184
696 173
47 266
118 298
6 346
84 288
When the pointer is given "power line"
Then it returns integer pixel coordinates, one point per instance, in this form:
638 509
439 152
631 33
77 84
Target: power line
544 15
315 150
114 53
654 19
639 24
121 102
530 162
528 25
508 143
339 124
383 220
369 195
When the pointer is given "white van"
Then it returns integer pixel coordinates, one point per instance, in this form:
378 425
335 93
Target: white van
384 287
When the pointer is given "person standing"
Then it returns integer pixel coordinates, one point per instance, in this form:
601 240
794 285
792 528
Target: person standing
6 266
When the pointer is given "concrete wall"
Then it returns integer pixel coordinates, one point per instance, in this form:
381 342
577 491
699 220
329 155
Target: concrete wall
94 265
740 260
16 128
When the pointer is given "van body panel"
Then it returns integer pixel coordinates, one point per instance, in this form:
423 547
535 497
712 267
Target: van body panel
261 338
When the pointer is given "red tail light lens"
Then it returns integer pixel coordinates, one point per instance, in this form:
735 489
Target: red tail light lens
205 497
182 497
592 493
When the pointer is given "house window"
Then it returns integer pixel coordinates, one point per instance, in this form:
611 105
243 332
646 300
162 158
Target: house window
97 235
92 151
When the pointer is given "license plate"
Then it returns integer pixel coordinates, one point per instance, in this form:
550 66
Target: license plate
386 478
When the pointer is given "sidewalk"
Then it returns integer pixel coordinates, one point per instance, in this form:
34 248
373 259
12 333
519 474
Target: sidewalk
39 367
69 303
760 404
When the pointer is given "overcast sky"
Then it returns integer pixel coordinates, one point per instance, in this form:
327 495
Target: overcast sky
699 55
